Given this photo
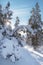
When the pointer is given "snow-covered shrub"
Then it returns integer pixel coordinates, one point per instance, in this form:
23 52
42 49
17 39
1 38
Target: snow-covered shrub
11 49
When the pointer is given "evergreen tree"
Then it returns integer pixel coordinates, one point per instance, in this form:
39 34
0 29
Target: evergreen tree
17 21
32 18
8 12
35 22
6 37
5 16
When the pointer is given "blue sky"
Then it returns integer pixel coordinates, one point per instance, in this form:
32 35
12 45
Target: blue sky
22 8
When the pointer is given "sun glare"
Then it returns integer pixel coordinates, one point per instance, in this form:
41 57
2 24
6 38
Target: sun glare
8 23
12 26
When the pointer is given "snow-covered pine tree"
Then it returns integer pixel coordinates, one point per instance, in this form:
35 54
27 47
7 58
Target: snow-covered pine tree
9 45
35 22
38 24
7 13
32 18
17 21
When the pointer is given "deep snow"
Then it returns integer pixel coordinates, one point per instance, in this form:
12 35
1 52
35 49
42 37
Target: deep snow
26 59
27 55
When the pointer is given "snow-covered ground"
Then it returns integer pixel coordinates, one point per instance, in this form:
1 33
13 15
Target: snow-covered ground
26 59
37 54
28 56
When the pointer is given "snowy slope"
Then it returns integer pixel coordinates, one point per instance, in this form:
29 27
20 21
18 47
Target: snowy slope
26 59
10 49
37 54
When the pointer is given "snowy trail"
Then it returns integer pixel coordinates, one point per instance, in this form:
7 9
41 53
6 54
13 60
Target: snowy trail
38 56
33 51
26 59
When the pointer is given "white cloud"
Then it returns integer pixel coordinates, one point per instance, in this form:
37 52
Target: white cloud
23 14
